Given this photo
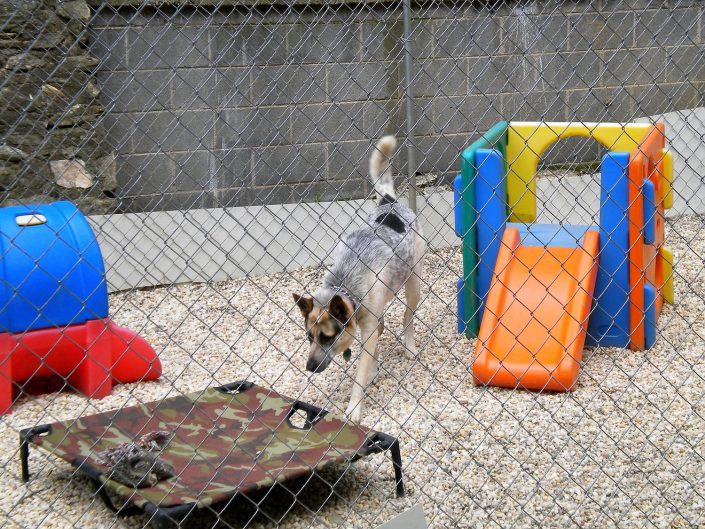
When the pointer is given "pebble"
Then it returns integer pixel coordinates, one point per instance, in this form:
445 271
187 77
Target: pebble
625 449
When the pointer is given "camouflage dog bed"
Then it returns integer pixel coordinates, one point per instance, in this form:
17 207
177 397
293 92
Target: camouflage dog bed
219 442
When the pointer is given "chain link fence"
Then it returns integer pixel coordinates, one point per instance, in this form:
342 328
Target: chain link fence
525 350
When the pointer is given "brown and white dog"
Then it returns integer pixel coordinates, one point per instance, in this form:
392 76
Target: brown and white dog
372 265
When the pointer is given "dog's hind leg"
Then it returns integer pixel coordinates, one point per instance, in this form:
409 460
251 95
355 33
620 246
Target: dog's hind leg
413 295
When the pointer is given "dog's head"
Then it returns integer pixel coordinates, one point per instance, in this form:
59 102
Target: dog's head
330 329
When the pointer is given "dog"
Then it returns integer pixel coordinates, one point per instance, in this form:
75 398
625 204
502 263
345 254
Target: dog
372 265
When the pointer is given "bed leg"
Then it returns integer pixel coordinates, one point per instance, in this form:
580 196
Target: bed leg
396 461
25 437
24 457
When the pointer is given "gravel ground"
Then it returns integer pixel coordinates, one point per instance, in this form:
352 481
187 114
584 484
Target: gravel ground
626 449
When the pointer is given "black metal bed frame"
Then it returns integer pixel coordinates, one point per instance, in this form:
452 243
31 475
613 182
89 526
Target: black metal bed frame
164 516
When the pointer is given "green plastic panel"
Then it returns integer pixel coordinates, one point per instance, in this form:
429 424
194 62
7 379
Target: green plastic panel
495 138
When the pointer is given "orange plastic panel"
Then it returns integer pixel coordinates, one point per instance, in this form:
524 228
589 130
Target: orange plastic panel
646 162
535 320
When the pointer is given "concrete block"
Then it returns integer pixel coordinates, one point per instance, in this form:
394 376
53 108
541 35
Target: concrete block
564 71
685 63
502 74
232 87
196 88
146 18
641 66
331 190
600 31
249 44
233 167
600 104
168 47
386 117
363 81
254 127
423 42
667 26
265 44
440 155
144 174
325 40
453 115
328 122
137 91
467 37
173 131
227 42
164 202
109 46
289 164
424 122
666 97
536 106
196 171
382 37
573 150
231 197
118 130
277 194
447 76
348 160
290 84
525 32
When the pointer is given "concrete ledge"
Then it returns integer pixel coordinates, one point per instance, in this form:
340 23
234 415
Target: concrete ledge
204 245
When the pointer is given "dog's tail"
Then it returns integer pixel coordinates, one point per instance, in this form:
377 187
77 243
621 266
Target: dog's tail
381 168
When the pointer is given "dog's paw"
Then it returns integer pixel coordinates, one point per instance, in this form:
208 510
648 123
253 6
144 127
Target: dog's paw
410 351
354 413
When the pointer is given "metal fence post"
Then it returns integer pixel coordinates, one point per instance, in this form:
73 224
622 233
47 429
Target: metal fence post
408 76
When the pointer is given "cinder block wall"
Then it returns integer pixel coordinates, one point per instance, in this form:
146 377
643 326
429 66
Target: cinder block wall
237 106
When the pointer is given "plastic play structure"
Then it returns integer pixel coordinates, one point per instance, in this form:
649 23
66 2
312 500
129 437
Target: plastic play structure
535 294
54 307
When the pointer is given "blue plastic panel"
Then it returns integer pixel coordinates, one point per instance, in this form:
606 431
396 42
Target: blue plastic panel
52 273
650 316
558 235
491 206
457 191
649 212
609 321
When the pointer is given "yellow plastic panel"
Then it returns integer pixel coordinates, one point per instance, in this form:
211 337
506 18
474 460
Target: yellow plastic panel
667 289
667 173
527 141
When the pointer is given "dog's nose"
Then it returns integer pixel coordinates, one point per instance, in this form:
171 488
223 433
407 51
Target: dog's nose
312 365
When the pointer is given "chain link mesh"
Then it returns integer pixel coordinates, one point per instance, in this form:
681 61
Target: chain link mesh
217 152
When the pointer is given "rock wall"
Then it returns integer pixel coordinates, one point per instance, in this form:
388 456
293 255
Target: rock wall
51 146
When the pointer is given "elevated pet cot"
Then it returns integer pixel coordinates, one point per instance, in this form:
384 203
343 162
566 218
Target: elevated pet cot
223 441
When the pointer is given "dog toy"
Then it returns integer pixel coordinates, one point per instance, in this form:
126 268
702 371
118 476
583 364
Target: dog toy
135 464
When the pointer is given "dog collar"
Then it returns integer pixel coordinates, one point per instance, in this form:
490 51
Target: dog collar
352 299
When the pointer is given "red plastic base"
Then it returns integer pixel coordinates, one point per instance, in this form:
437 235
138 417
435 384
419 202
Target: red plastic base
91 357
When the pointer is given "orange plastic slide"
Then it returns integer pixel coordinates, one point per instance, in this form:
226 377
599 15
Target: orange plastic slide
535 320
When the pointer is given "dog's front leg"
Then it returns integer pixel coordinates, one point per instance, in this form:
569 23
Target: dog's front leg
368 363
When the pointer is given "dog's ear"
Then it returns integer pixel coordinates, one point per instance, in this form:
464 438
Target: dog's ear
304 303
340 308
